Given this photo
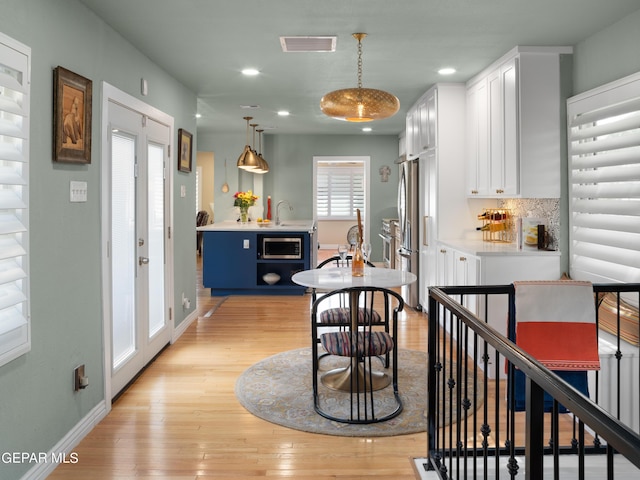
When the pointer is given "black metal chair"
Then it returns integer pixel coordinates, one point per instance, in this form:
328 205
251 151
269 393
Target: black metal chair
369 400
202 218
337 315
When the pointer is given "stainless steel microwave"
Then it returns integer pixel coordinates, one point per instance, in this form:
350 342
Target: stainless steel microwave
281 247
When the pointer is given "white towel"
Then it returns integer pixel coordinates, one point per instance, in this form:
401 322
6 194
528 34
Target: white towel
556 323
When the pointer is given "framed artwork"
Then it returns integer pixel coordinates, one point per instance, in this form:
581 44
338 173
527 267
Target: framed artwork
185 148
72 95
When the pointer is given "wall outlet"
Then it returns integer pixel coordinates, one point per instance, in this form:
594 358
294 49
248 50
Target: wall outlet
81 381
186 303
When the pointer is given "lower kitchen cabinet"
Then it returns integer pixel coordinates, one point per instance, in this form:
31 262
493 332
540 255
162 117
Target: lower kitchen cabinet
471 263
459 268
232 264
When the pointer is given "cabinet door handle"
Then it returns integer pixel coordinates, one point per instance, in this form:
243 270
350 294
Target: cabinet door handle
143 261
474 192
442 250
499 190
425 240
463 259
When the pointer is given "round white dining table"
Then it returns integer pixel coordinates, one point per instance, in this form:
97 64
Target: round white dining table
329 279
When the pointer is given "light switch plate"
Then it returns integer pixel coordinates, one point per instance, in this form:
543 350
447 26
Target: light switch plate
183 191
77 191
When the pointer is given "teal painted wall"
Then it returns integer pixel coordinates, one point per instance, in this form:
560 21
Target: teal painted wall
37 404
290 159
608 55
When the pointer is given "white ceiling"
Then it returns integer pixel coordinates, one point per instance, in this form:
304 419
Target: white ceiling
205 44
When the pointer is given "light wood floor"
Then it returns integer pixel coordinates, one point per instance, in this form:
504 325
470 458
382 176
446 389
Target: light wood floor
181 419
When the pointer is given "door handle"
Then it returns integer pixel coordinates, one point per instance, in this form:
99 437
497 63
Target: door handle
143 261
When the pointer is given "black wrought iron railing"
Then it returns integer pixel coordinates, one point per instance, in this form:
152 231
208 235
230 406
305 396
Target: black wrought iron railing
475 430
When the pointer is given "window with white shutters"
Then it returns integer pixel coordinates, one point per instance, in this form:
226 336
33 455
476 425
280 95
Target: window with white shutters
339 190
14 197
604 174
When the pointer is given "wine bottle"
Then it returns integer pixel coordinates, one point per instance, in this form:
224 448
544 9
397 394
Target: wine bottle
493 227
357 262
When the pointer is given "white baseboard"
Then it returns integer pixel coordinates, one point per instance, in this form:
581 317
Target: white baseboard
63 450
180 329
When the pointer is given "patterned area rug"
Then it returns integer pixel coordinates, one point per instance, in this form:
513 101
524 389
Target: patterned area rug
278 389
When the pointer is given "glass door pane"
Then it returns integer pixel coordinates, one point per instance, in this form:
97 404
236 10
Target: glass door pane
155 237
123 248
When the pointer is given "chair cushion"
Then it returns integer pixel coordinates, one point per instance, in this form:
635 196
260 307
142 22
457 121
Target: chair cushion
369 344
342 316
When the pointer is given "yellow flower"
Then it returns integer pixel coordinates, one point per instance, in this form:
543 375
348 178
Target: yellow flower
244 199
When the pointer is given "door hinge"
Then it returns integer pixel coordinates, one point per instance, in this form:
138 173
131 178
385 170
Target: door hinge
169 151
170 313
144 120
168 232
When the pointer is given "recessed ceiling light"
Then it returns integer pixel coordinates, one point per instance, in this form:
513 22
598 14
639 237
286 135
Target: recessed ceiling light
366 129
283 113
447 71
249 107
198 115
250 72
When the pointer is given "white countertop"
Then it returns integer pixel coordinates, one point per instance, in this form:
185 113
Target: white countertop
285 226
481 248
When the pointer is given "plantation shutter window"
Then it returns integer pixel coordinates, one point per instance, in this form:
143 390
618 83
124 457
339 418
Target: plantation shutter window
339 190
604 169
14 196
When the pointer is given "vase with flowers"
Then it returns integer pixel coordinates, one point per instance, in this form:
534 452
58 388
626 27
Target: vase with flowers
244 200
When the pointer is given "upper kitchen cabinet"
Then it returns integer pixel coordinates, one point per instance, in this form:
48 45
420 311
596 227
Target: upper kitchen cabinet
421 122
514 125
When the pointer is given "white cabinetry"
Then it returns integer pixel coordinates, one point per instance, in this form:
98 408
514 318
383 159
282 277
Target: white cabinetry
514 125
402 146
463 263
421 124
445 211
477 139
459 268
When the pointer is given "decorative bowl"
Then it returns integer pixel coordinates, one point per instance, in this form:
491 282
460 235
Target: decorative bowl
271 278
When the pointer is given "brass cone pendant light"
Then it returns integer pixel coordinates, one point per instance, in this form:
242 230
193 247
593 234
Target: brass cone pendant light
248 159
359 104
264 166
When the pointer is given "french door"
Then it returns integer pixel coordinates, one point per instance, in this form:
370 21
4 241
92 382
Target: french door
137 242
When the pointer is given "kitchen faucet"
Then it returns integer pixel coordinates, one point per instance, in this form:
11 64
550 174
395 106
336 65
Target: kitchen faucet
278 210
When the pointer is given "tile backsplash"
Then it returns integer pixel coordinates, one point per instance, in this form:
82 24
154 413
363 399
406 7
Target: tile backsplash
547 208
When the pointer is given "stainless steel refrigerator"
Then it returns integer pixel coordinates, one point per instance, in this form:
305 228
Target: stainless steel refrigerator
409 249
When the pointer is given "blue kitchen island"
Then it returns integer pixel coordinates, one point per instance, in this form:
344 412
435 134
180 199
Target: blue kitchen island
236 256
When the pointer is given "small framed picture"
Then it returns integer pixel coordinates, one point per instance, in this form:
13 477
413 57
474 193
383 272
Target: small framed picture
71 117
185 147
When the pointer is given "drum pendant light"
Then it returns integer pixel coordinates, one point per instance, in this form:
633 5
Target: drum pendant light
359 104
248 159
